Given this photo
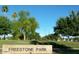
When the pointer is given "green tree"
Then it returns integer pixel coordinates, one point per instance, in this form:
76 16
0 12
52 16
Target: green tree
14 15
4 26
25 25
15 25
33 26
69 25
5 9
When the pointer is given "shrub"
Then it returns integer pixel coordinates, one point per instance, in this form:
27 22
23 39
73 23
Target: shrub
34 42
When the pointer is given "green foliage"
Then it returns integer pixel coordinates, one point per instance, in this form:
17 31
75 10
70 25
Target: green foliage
4 25
69 25
23 15
35 36
21 27
14 15
5 8
53 37
34 42
24 25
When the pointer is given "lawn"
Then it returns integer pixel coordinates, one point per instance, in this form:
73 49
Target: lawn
14 42
69 44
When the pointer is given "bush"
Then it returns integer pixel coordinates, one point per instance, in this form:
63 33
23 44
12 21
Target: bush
34 42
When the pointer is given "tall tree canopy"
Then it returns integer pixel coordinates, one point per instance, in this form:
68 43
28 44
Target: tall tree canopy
4 26
25 24
69 25
20 25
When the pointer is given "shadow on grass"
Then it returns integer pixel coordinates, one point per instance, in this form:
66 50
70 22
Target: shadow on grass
57 48
62 49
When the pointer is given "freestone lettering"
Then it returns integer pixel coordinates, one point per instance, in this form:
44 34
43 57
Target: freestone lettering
27 49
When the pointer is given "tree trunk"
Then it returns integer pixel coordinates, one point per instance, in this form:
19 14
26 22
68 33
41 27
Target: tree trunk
68 38
24 35
5 15
4 36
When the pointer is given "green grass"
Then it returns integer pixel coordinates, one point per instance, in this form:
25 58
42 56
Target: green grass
69 44
27 42
14 42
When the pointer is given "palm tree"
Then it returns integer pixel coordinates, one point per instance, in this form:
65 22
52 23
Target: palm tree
5 9
14 15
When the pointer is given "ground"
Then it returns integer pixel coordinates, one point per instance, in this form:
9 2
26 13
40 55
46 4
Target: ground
59 44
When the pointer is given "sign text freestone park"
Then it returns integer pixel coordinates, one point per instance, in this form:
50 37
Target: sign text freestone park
27 49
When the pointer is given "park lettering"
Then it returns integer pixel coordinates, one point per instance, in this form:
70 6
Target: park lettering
26 49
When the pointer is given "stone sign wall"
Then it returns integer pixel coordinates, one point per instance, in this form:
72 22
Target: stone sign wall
27 49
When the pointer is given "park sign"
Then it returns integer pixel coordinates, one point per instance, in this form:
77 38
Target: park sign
27 49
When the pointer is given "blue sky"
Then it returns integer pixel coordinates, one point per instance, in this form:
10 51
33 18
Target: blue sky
44 14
